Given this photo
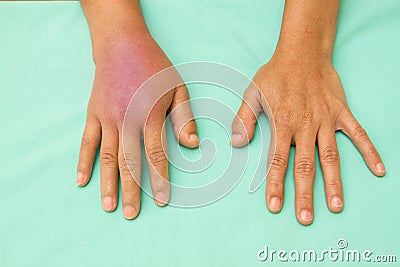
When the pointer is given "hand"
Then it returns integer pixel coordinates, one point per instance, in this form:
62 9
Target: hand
307 105
121 67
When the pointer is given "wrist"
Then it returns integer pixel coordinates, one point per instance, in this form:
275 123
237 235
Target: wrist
292 63
306 45
111 43
114 22
308 30
303 52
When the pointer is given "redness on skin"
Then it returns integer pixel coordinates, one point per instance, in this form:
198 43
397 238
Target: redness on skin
123 73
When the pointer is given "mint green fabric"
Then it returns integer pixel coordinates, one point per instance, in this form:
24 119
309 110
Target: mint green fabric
46 73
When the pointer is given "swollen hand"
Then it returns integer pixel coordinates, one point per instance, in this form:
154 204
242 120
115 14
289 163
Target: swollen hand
121 67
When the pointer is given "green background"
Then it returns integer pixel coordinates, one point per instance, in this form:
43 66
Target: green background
46 73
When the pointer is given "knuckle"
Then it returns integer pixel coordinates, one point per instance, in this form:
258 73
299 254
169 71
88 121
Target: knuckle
87 142
83 166
156 155
329 155
279 161
252 95
307 116
372 151
305 167
108 158
333 184
305 198
121 111
127 163
124 170
325 108
181 126
275 186
283 115
360 133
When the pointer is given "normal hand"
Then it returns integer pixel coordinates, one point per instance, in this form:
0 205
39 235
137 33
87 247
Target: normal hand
306 105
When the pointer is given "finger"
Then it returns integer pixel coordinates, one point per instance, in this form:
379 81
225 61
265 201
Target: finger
156 153
129 161
359 136
109 168
90 142
277 162
185 128
330 163
245 121
304 172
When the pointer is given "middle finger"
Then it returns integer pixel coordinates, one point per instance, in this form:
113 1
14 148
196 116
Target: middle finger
304 172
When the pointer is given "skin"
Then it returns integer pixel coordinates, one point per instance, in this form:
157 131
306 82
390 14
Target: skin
125 56
306 105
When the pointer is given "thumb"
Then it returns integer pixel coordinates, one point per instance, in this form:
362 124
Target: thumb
246 118
185 128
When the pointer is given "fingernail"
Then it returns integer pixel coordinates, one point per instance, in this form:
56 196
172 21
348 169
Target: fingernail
236 136
274 204
79 178
336 202
193 137
306 215
129 212
380 167
160 198
108 203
